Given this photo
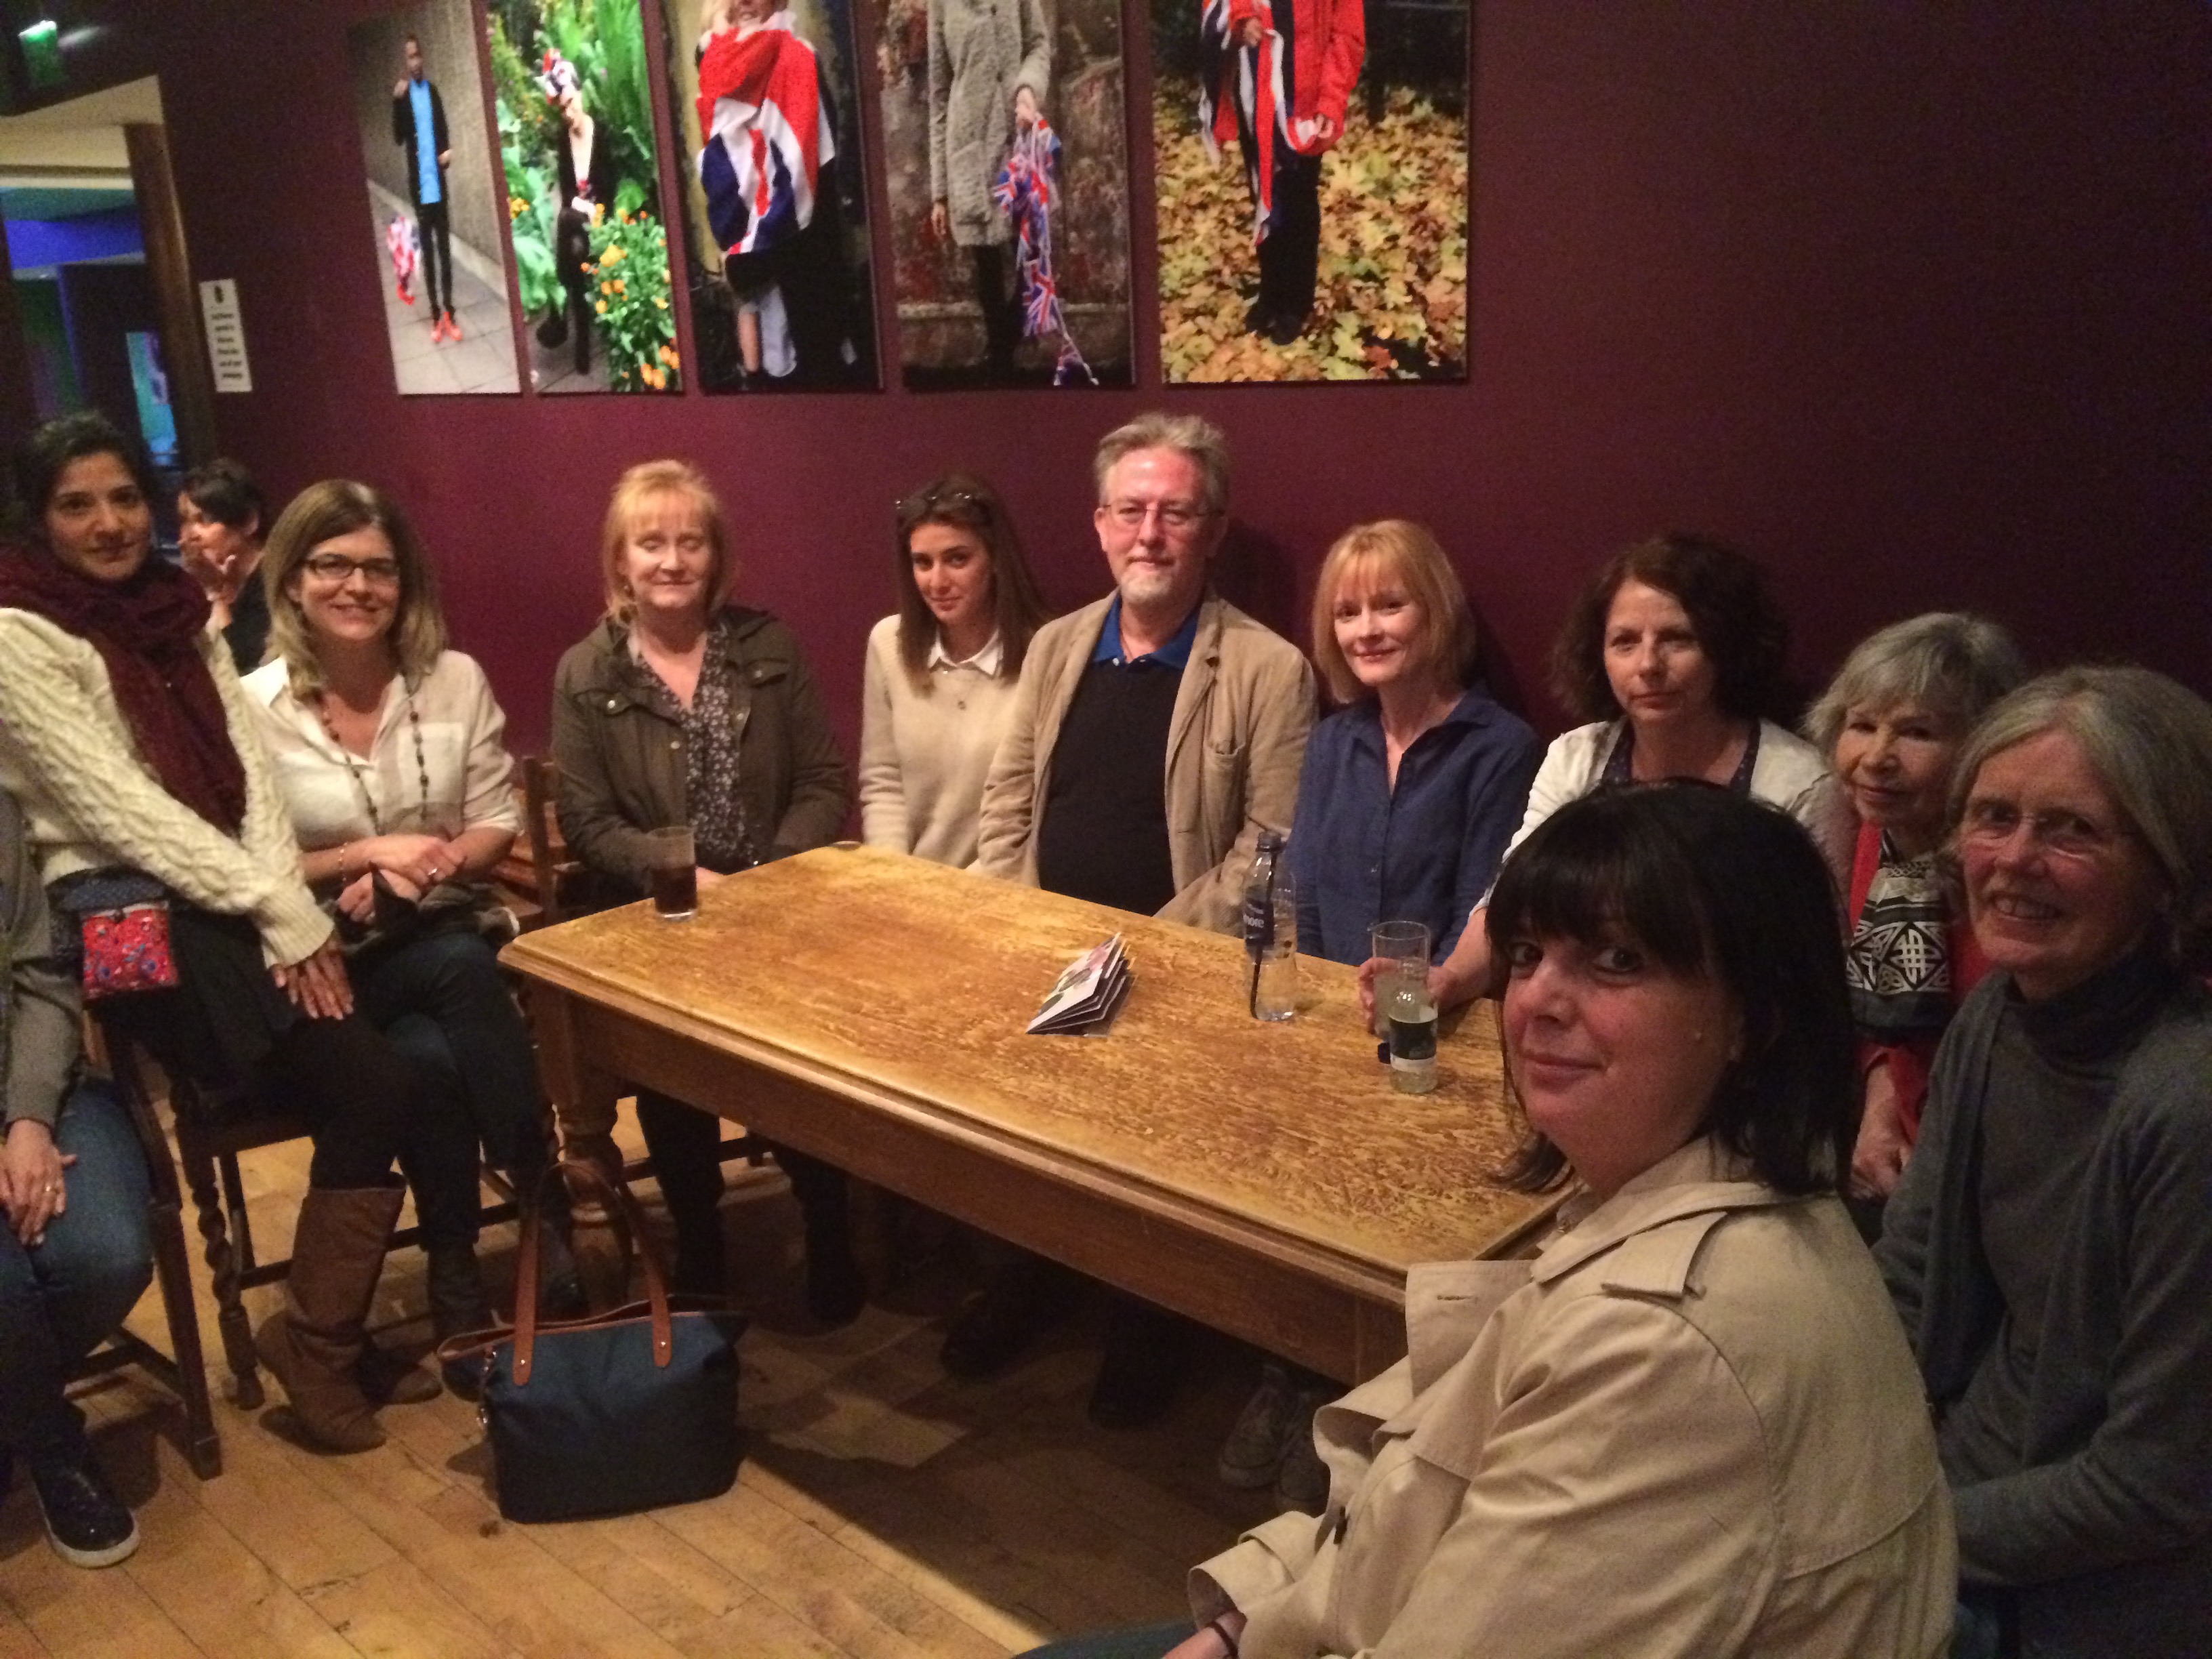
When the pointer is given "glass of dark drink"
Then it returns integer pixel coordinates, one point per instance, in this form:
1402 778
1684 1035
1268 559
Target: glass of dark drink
673 875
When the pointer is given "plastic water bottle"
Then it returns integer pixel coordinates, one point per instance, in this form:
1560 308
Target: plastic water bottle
1271 933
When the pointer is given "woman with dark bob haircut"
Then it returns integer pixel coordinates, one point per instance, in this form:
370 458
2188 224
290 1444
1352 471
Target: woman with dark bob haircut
127 742
1672 655
1691 1425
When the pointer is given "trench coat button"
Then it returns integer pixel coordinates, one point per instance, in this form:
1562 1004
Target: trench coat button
613 703
676 742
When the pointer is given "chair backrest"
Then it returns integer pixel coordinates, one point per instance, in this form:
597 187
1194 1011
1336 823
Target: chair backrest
551 869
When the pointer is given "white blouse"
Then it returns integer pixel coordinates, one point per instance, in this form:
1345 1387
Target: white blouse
463 766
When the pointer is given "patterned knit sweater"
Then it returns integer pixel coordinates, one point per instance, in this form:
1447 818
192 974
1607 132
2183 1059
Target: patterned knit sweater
88 800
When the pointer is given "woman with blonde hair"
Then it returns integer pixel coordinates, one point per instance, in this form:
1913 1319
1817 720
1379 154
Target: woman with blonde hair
678 707
1408 796
1413 788
390 753
942 671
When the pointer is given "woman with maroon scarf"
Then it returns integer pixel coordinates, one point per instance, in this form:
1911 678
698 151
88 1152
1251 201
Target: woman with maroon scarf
132 752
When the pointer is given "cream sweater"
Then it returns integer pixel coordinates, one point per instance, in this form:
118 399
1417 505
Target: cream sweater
923 757
88 800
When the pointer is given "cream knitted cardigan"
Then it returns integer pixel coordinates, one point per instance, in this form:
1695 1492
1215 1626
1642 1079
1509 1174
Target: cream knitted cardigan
88 800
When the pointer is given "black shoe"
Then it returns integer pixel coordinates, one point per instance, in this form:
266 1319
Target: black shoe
86 1522
837 1290
1286 327
1018 1306
1258 316
456 1305
393 1379
1147 1351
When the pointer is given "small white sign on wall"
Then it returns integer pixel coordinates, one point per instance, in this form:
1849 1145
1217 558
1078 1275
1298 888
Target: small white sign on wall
226 334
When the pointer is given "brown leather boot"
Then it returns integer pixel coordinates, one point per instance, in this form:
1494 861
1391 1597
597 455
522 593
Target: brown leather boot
314 1344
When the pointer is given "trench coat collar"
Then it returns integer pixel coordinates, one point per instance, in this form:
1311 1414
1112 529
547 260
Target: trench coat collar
1700 1178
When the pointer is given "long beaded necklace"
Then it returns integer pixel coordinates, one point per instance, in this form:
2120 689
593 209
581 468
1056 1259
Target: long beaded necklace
353 771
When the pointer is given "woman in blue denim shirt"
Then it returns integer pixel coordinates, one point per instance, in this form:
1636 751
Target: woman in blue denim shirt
1411 790
1408 797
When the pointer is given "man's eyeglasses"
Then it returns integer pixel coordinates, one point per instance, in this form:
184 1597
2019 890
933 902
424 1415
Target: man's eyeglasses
1994 823
337 569
1174 515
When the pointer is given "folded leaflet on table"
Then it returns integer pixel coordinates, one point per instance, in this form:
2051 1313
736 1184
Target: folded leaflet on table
1087 994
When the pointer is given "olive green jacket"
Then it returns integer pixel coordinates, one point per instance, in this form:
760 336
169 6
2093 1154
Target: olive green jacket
624 765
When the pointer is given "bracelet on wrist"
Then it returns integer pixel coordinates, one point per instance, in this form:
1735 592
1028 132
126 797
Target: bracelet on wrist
1222 1630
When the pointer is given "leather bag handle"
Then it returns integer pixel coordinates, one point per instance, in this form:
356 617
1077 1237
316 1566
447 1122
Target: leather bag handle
526 1268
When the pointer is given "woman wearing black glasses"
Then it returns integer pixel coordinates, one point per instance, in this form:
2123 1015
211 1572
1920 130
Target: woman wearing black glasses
126 740
390 754
942 673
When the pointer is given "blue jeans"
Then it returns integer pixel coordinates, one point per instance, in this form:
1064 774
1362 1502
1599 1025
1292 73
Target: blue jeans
60 1297
442 1002
1149 1643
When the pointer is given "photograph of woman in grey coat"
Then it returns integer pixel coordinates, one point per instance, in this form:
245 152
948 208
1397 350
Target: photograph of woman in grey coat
1005 150
989 66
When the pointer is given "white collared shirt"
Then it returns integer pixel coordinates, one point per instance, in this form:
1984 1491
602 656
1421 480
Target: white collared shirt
464 756
986 662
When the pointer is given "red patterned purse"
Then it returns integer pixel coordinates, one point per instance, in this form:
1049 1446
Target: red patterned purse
121 930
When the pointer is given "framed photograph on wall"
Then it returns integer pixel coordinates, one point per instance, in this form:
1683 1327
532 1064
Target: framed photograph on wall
766 102
432 230
1007 166
1311 174
582 166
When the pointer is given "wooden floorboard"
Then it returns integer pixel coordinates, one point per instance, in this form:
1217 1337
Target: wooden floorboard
883 1511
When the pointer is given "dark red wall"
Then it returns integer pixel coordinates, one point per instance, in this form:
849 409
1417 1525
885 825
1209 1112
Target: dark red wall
1913 301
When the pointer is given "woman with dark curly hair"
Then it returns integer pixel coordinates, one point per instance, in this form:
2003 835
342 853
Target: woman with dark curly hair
1674 656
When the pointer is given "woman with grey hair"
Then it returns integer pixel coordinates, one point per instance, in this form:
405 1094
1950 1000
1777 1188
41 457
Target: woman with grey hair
1891 725
2047 1248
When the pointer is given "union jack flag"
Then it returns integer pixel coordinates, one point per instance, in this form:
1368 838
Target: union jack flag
768 128
1027 191
1245 95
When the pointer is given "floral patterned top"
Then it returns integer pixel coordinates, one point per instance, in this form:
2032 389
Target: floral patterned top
722 840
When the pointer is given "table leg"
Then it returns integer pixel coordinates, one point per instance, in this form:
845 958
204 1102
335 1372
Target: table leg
584 1106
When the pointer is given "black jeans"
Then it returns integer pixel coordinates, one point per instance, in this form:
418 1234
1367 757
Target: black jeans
433 231
1291 256
442 1002
686 1143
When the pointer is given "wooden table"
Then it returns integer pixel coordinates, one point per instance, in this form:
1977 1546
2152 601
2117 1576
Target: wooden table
869 1008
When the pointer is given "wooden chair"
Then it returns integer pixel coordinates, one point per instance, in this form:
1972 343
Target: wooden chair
183 1370
212 1129
553 876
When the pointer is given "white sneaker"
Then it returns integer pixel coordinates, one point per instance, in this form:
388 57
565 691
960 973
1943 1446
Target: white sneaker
1253 1450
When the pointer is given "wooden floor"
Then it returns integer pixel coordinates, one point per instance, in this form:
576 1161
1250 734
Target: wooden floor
883 1508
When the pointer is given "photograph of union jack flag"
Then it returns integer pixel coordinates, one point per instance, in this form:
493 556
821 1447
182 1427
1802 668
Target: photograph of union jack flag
766 99
1310 161
1006 160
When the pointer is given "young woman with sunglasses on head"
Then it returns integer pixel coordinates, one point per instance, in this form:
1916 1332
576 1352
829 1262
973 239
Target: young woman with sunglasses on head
942 673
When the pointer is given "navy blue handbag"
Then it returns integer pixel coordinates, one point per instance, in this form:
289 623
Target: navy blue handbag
622 1411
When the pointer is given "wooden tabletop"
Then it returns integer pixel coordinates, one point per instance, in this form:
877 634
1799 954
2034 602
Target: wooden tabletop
849 994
